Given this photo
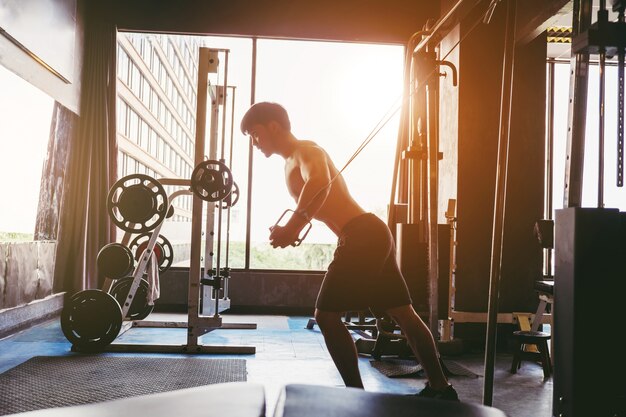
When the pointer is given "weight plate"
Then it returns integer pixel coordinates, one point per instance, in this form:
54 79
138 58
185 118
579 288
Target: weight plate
211 180
232 198
139 307
115 261
91 319
137 203
163 250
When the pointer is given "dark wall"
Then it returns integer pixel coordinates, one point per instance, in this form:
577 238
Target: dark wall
270 292
479 60
391 21
522 257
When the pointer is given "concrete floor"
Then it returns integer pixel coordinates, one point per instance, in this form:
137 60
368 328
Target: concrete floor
287 352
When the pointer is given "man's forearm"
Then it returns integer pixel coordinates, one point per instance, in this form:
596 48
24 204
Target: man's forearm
311 199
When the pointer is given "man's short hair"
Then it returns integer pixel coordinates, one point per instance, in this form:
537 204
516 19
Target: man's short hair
264 112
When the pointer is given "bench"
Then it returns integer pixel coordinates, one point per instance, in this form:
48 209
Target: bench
298 400
244 399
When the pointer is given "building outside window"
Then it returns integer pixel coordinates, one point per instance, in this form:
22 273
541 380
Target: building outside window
335 92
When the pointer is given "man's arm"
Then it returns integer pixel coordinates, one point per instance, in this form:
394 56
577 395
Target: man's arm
316 176
315 173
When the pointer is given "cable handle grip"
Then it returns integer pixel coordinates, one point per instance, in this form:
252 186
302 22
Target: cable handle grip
303 233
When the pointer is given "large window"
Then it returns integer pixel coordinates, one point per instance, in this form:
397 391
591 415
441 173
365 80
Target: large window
24 131
614 197
336 93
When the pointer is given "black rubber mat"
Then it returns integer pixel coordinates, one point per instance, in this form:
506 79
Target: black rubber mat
47 382
405 368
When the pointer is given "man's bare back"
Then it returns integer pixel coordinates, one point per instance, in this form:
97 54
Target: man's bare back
308 159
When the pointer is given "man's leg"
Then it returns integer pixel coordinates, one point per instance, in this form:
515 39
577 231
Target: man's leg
422 344
340 346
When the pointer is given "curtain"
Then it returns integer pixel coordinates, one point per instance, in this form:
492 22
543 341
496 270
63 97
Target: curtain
91 168
53 173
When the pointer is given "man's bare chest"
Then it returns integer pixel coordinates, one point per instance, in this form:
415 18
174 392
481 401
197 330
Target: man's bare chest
294 180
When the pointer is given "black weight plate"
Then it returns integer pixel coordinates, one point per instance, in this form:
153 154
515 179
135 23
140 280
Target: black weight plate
139 307
211 180
163 249
91 319
232 198
115 261
137 203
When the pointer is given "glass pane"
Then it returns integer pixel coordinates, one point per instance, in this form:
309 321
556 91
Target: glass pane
236 151
158 135
335 93
25 128
614 197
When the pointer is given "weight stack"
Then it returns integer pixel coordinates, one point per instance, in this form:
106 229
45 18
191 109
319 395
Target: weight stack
412 259
589 284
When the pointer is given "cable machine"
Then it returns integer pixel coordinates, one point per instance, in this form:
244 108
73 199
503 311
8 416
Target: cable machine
139 204
589 245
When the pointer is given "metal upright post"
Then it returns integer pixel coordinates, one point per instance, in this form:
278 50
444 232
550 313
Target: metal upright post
193 297
431 203
601 94
620 101
579 76
500 199
212 293
549 187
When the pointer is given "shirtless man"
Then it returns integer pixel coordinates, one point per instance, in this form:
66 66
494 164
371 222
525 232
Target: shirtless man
364 272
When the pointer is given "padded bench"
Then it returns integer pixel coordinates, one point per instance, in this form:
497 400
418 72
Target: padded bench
244 399
298 400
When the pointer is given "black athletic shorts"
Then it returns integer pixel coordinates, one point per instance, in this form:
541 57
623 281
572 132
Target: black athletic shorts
364 272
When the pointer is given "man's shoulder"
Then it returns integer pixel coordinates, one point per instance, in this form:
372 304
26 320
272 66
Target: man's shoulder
308 144
308 147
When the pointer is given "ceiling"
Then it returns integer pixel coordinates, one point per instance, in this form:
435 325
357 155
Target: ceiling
564 18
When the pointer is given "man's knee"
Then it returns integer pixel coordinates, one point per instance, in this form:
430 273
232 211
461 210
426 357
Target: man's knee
325 319
403 314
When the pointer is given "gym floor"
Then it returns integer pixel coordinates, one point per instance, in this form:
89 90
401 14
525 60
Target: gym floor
288 352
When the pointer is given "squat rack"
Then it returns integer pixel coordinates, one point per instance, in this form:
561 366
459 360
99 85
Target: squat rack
200 298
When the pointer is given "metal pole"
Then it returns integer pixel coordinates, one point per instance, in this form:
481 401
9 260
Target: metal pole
193 295
230 165
577 115
444 24
601 93
414 165
620 109
250 156
223 100
549 205
500 199
432 203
